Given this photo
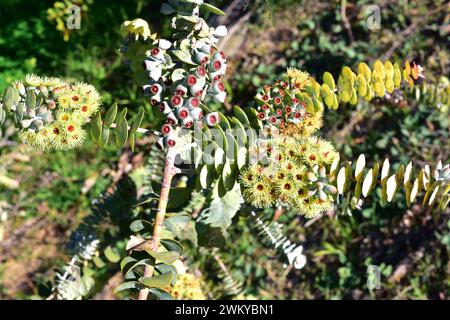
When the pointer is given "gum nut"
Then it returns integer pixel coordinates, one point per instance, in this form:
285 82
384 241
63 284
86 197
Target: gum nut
218 87
191 80
176 101
157 53
166 129
160 143
215 65
180 90
164 107
172 119
150 64
196 114
206 49
212 118
164 44
26 123
196 90
193 103
156 73
170 141
201 57
155 99
220 31
200 72
188 122
220 97
155 89
182 113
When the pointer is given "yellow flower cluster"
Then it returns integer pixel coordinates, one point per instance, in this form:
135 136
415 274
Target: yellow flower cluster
187 287
292 175
291 162
55 119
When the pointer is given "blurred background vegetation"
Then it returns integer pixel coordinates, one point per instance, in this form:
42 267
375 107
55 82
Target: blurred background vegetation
45 197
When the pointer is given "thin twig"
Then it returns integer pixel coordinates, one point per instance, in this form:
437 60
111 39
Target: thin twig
169 172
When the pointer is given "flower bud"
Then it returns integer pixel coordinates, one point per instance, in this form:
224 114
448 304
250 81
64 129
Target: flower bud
311 176
31 113
21 88
211 119
322 195
331 189
38 123
44 90
322 172
26 123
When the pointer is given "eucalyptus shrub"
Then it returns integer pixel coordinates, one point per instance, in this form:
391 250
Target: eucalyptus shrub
266 154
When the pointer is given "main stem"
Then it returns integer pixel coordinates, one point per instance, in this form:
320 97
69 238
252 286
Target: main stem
169 172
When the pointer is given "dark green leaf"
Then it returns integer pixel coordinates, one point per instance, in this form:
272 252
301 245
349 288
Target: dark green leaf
129 285
139 225
172 245
166 257
112 254
95 127
160 281
212 9
110 115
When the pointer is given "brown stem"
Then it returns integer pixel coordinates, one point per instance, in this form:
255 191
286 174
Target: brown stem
169 172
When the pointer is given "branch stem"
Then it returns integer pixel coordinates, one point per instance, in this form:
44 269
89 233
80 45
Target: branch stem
169 172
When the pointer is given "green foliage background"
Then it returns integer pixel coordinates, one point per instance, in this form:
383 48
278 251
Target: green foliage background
411 245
